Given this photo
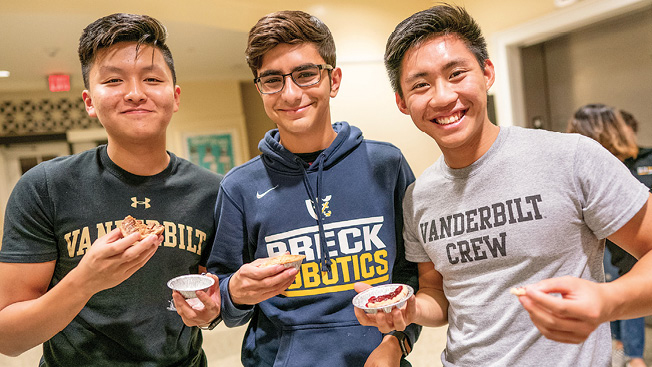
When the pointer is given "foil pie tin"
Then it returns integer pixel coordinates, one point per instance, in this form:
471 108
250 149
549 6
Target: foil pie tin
188 284
361 299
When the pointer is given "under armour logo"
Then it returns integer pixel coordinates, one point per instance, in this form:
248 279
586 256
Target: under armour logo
135 202
310 205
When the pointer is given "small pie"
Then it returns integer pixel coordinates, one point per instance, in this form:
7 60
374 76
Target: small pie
131 225
388 298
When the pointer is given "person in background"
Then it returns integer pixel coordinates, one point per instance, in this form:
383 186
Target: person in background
507 226
321 190
617 134
68 278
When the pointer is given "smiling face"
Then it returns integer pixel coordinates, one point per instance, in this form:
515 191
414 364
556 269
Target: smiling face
445 94
302 114
132 93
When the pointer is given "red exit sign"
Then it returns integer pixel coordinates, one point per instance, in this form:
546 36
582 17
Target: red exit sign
59 82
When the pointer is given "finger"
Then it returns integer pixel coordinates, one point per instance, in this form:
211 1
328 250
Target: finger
217 280
145 247
385 321
207 300
563 329
546 301
362 317
282 280
134 261
543 317
122 245
258 273
399 319
553 285
113 235
411 309
360 287
183 308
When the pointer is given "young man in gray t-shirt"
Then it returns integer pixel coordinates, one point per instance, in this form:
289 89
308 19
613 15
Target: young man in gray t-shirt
506 208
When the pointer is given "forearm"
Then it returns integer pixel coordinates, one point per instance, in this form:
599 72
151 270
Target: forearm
432 308
630 296
26 324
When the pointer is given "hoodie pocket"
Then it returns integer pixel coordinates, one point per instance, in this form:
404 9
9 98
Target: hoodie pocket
347 344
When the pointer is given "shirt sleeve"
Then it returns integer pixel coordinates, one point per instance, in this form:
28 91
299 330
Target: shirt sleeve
414 250
609 194
228 255
28 235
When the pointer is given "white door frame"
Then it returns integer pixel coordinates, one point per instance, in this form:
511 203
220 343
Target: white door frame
508 87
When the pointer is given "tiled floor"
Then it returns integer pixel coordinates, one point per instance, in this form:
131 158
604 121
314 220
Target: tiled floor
222 346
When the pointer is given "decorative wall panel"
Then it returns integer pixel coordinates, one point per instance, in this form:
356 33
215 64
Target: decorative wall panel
45 116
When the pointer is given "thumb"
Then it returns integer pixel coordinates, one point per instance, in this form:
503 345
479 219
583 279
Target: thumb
360 286
554 285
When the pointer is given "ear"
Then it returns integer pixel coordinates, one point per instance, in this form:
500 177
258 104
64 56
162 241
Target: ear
88 103
177 97
336 79
401 104
489 73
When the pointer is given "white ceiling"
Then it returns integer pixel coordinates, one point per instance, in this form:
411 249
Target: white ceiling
207 37
34 45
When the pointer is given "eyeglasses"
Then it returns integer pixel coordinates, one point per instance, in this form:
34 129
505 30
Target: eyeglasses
304 76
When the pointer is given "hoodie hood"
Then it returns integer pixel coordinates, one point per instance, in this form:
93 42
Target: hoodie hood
276 157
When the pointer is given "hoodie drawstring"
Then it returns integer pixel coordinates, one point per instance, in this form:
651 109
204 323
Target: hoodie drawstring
325 261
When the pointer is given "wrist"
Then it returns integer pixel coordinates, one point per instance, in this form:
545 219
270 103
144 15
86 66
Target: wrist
614 305
211 325
400 340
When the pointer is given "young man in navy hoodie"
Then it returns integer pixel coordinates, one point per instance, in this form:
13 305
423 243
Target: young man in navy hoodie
320 190
509 208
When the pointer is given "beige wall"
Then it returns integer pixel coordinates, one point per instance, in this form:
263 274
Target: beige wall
208 107
257 121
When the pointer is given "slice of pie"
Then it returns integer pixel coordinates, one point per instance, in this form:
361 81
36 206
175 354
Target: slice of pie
131 225
285 259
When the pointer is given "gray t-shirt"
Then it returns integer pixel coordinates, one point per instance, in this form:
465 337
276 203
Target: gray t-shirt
537 205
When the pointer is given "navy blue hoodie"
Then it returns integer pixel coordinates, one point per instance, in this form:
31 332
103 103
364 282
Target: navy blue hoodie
267 207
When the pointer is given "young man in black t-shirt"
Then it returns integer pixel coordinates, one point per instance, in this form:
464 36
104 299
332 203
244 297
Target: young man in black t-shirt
68 278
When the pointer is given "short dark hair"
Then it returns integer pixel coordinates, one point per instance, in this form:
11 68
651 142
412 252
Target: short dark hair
291 27
121 27
437 21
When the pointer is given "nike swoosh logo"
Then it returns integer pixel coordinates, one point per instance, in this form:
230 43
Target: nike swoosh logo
259 195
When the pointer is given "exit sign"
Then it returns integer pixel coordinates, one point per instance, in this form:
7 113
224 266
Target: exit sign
59 82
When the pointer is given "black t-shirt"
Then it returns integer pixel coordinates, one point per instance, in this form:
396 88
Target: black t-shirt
309 157
60 207
641 168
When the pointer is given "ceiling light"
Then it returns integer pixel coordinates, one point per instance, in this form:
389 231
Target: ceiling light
4 74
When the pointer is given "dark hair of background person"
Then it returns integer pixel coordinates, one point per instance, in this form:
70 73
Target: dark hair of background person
121 27
605 125
630 120
437 21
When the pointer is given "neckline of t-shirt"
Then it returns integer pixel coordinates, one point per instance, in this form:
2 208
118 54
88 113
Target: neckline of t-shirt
126 176
477 166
